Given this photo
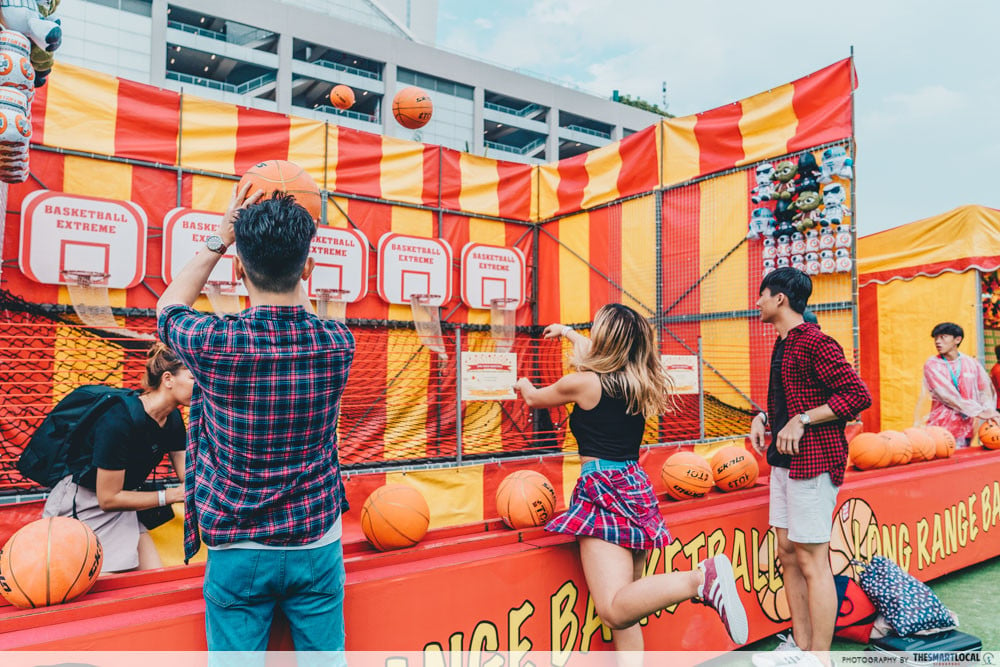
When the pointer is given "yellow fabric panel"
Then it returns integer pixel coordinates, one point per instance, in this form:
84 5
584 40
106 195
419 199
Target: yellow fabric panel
454 495
840 325
725 342
547 195
638 254
768 122
681 156
707 449
169 540
306 139
336 209
967 231
535 215
208 135
332 152
907 311
603 166
490 232
81 109
80 358
480 183
407 372
402 170
571 473
574 273
98 178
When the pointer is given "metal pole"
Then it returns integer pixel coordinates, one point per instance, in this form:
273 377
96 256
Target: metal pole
180 138
701 395
855 293
458 394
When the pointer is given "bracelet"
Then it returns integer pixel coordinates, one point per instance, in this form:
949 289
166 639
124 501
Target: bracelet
764 415
566 331
161 496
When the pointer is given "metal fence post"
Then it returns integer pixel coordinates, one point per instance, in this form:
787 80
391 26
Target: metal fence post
458 394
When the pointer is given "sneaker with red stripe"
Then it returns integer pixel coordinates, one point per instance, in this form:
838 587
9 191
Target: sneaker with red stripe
719 592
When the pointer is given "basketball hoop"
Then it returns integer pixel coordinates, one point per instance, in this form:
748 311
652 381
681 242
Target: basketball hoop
88 291
331 304
427 321
223 297
503 312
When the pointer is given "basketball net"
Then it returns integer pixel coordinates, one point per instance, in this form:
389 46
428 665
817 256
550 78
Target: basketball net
223 297
330 304
427 322
502 318
88 293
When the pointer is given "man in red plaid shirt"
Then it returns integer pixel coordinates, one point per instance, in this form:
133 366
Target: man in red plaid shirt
263 484
812 392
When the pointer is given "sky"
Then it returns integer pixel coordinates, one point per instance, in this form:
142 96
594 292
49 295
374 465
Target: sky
927 112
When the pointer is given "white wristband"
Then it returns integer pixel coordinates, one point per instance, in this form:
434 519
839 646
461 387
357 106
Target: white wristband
566 331
161 496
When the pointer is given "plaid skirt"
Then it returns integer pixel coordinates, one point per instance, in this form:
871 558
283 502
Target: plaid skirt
614 501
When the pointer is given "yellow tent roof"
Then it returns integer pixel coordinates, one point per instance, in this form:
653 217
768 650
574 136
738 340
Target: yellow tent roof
966 237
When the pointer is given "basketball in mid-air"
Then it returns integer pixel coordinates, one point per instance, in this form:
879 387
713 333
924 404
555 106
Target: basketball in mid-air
412 107
284 176
342 96
49 561
395 516
525 499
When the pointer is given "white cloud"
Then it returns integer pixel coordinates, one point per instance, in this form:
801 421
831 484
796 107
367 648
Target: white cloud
485 24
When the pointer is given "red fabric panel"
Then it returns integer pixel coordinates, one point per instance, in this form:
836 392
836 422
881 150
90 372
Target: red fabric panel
456 233
548 273
38 115
359 163
451 178
358 488
984 263
361 429
187 190
148 122
260 136
522 237
373 220
869 343
605 225
573 178
432 174
514 190
155 190
640 169
822 102
720 142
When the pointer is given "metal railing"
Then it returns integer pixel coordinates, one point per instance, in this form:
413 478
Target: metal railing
587 130
239 40
239 89
522 150
347 113
522 113
329 64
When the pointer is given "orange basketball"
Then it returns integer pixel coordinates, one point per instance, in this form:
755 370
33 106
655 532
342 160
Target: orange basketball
944 441
899 445
525 499
686 475
870 450
283 176
412 107
49 561
395 516
989 434
342 96
734 468
923 444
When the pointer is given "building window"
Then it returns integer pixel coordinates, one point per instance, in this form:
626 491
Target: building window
428 82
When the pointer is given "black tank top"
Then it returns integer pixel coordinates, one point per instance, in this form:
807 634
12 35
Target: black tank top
607 431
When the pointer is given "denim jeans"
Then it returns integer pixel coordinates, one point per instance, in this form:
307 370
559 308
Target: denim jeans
242 587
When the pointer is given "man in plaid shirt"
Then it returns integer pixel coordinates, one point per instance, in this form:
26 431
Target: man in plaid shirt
263 478
812 392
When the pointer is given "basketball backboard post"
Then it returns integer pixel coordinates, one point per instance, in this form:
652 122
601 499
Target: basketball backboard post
223 296
427 322
331 304
88 292
503 313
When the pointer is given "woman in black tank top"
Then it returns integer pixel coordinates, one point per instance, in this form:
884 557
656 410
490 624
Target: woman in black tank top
614 513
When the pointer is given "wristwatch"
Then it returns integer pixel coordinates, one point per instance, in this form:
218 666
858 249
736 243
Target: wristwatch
805 419
215 244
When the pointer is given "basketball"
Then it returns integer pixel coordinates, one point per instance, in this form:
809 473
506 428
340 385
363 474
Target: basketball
686 475
989 434
525 499
772 596
944 441
412 107
854 536
283 176
395 516
734 468
923 444
869 450
342 96
900 447
49 561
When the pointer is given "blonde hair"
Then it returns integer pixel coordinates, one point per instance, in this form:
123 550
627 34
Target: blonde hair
623 353
159 360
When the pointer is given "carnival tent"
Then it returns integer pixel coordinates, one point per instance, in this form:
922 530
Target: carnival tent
910 278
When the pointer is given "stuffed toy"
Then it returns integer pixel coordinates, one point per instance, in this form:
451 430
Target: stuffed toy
784 246
761 223
827 241
799 262
784 214
843 237
807 205
834 210
842 258
15 133
807 173
27 18
835 162
812 263
764 190
770 250
15 67
783 262
768 267
827 264
812 240
784 177
798 244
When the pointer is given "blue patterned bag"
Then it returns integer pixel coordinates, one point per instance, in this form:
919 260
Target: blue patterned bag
907 604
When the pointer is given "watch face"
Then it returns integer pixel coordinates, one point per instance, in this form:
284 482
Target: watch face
215 244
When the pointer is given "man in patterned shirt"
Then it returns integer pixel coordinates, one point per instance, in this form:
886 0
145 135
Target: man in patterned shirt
812 392
263 477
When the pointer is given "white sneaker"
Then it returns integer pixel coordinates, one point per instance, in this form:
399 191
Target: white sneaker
787 643
787 653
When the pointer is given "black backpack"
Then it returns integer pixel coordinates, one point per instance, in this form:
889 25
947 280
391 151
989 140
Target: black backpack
47 456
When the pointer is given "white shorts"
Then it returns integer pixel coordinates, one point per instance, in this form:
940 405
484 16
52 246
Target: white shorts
804 507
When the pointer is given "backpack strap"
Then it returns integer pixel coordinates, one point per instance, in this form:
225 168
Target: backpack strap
136 410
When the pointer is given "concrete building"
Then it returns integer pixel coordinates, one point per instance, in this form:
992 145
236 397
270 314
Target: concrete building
285 56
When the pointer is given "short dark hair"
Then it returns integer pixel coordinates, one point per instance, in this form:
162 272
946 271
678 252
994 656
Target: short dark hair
996 352
794 284
272 240
948 329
